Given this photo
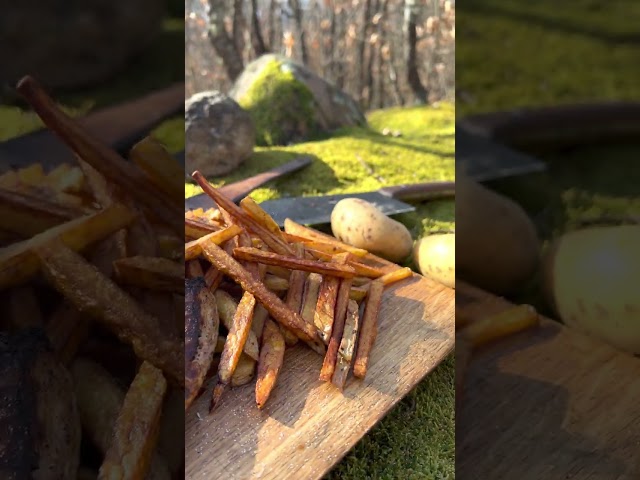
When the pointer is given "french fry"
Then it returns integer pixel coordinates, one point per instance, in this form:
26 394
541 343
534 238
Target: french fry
347 346
494 327
154 273
295 292
301 231
271 358
278 310
91 292
395 276
244 371
100 398
67 329
369 329
357 293
193 249
269 258
170 246
276 284
65 178
213 277
261 217
33 175
196 228
260 316
29 215
279 272
136 431
102 158
334 329
163 170
311 293
201 324
324 314
233 346
227 308
330 249
360 268
18 261
274 242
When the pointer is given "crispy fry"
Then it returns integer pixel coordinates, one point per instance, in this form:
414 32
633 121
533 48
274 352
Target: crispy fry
196 228
99 399
305 232
369 329
395 276
295 293
233 346
29 215
65 178
227 308
261 217
311 293
360 268
326 306
170 246
347 346
260 316
193 249
361 281
271 358
244 371
163 170
358 293
201 324
102 158
500 325
279 272
213 277
274 242
33 175
278 310
136 430
330 249
154 273
18 262
91 292
334 328
255 255
193 269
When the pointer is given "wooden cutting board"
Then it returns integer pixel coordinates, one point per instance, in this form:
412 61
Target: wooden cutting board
549 403
307 426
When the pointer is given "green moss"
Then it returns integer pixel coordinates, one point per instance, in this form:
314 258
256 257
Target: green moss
280 105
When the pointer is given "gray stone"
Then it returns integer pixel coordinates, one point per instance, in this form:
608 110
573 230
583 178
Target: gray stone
219 135
72 43
292 103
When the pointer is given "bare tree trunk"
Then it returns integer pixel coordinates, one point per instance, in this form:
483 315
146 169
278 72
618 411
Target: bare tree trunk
380 78
413 77
329 53
338 62
362 42
368 73
222 42
238 29
271 18
297 16
257 40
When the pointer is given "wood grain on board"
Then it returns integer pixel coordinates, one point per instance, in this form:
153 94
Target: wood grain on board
307 425
548 403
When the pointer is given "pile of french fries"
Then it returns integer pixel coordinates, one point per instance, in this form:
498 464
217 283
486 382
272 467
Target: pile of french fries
92 256
252 289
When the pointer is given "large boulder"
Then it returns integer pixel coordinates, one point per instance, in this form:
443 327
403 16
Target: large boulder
72 44
219 135
289 103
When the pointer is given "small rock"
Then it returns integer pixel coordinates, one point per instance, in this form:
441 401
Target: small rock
219 134
397 133
386 131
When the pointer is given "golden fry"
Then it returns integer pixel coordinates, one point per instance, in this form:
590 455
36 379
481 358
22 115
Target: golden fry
193 249
494 327
325 307
136 431
271 358
276 284
193 269
163 170
369 329
261 217
227 308
244 371
311 293
347 346
269 258
301 231
18 261
213 277
360 268
295 293
154 273
93 293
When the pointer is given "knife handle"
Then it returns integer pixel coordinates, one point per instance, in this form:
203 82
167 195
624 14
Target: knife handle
421 191
551 128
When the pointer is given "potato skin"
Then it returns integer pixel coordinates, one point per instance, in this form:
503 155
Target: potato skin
591 279
497 247
360 224
435 257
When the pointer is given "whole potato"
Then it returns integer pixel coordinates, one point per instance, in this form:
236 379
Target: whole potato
435 256
360 224
497 247
592 278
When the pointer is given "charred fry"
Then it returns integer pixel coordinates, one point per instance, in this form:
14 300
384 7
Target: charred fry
347 346
271 357
369 329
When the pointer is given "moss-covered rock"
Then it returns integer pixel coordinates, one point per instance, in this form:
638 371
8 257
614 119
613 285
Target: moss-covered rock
289 103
